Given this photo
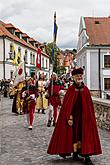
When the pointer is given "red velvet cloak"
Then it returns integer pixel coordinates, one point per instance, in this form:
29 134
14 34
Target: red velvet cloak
62 138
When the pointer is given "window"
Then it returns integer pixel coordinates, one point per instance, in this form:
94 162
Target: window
31 58
106 61
11 74
43 62
46 64
107 83
12 52
25 57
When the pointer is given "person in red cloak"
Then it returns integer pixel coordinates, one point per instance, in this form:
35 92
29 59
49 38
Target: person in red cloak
76 131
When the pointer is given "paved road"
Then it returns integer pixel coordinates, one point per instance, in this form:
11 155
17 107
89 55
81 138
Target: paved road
20 146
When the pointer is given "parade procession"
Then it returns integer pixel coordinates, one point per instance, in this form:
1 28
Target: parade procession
54 82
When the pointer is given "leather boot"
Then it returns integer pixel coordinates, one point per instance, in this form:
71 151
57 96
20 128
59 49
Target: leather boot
88 161
75 156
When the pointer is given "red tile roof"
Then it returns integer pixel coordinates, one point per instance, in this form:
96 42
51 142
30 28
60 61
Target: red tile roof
9 25
98 30
18 31
31 40
6 33
25 35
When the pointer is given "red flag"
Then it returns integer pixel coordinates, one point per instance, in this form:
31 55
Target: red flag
38 59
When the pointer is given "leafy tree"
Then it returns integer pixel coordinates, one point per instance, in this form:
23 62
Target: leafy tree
49 47
61 70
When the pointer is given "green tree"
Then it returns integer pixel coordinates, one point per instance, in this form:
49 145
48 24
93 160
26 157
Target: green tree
49 47
61 70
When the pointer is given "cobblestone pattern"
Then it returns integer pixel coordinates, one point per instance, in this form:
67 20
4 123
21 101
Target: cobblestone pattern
20 146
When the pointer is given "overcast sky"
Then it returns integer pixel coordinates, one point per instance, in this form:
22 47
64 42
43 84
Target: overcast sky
35 17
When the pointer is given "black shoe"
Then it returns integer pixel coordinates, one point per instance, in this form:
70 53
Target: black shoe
38 110
49 123
75 156
88 161
43 111
54 123
63 156
30 127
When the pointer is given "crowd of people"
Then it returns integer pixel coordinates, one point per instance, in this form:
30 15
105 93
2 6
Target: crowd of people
75 130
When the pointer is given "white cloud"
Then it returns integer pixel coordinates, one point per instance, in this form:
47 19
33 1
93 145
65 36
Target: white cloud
36 17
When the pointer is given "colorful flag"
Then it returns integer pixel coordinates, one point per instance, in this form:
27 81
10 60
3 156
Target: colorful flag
13 48
13 51
55 28
38 58
20 74
17 58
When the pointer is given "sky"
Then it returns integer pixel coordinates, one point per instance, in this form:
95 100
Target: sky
36 17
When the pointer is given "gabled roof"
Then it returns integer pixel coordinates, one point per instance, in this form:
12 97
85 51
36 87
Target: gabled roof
4 32
18 31
98 30
9 25
31 40
25 35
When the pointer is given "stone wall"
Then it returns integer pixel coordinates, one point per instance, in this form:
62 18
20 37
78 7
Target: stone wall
102 111
95 93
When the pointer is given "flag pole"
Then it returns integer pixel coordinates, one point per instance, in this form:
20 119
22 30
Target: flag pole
53 47
25 66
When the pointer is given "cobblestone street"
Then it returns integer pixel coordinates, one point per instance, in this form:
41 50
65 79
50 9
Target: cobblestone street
20 146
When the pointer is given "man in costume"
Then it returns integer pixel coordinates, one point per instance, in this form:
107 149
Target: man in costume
42 102
54 88
76 130
29 93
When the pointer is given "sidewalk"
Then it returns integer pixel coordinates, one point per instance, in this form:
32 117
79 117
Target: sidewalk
20 146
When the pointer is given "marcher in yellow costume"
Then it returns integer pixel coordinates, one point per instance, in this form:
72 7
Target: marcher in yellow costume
42 102
18 100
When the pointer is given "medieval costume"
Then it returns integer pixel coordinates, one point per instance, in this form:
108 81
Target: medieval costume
41 102
14 108
29 93
54 88
18 100
76 130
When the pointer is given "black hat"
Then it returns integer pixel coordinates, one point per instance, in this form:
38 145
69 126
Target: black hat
77 71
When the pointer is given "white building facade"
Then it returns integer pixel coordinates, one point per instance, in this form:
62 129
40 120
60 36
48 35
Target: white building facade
93 54
11 44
